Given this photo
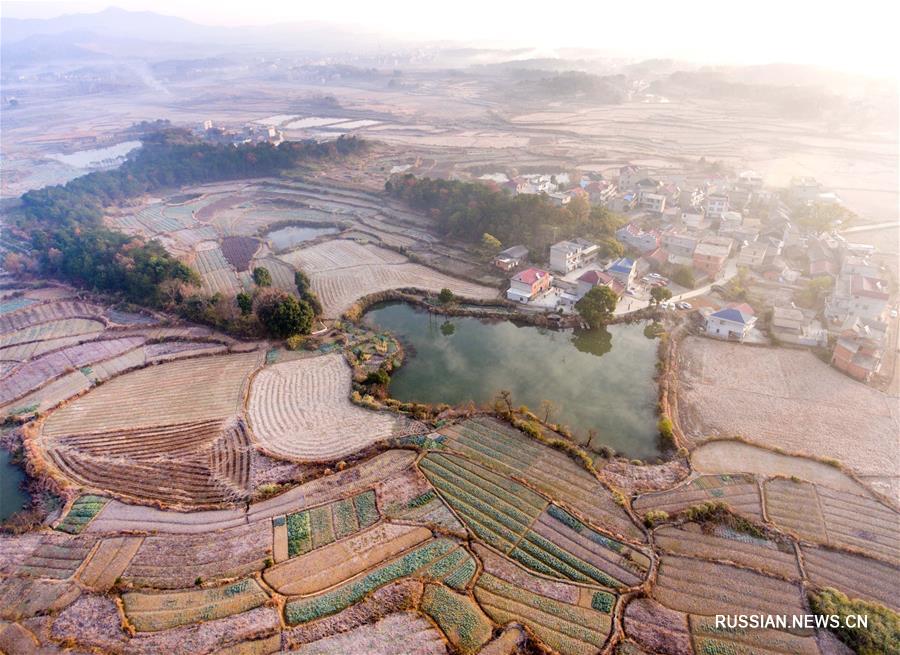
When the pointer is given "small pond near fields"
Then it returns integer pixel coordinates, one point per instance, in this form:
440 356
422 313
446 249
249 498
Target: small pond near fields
12 498
598 379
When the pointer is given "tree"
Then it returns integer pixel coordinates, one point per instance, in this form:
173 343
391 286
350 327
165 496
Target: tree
490 243
446 296
684 276
579 207
597 305
244 303
548 409
812 295
659 294
283 315
302 282
262 277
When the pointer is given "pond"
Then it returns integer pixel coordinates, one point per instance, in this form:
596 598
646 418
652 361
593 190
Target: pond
600 380
98 157
12 498
288 237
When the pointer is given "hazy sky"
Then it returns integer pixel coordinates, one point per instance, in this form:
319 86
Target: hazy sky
858 36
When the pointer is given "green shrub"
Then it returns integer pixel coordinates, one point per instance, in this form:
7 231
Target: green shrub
666 430
881 636
655 516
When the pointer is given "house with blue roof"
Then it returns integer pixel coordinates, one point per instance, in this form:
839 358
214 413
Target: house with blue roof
732 323
623 270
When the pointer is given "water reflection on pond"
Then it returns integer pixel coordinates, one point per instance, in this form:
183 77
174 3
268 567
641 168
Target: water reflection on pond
599 380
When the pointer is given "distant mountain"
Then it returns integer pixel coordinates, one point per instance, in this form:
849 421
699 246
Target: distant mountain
119 23
150 27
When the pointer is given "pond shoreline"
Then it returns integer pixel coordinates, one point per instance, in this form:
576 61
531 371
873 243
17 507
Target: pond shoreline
610 404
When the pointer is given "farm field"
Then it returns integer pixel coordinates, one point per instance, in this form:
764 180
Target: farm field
739 492
726 544
699 587
822 515
401 632
191 390
515 520
788 399
728 456
343 271
301 409
571 620
509 452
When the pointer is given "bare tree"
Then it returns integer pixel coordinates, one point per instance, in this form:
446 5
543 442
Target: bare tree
548 409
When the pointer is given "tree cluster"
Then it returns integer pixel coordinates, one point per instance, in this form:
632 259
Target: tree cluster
468 211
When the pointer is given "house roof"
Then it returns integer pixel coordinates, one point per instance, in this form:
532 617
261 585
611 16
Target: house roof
870 287
530 275
596 277
514 251
742 314
622 265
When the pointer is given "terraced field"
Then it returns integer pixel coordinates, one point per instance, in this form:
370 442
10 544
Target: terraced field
149 612
835 518
343 271
699 587
45 312
195 463
178 392
855 575
107 563
725 544
423 561
739 492
301 409
571 620
710 639
524 525
169 561
396 633
216 273
57 556
511 453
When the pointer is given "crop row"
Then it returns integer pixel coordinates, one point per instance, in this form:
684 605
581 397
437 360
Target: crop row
302 610
159 611
460 618
81 513
739 492
319 526
510 452
568 629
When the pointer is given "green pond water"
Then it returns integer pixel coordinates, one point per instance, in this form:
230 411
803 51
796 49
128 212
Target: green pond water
598 379
12 498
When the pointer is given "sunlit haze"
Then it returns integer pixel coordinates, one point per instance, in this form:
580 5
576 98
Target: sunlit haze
829 34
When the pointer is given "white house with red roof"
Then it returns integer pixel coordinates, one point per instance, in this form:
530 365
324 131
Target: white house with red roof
527 285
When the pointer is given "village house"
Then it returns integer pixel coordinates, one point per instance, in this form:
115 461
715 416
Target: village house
680 246
653 202
595 278
792 325
511 258
753 254
629 176
710 255
730 221
634 237
695 220
858 295
732 323
623 203
526 285
623 269
601 192
566 256
858 352
716 205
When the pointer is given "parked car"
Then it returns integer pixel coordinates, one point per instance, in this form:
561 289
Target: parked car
684 305
664 304
655 275
893 313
